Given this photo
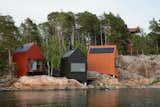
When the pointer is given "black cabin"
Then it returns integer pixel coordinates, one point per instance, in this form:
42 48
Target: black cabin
74 65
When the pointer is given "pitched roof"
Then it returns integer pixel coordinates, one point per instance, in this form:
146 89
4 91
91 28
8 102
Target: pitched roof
133 30
69 53
24 48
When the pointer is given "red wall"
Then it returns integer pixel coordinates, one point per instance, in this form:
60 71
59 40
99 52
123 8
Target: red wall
34 53
21 63
21 59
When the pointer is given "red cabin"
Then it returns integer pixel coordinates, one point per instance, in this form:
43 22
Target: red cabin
28 59
133 30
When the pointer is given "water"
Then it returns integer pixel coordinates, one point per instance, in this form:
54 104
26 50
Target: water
92 98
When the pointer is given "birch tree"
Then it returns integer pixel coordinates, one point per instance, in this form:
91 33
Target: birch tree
53 49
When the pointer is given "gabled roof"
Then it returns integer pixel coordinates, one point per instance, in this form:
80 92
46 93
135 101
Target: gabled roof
24 48
133 30
69 53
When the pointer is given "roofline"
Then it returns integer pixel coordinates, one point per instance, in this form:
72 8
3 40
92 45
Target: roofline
103 46
24 45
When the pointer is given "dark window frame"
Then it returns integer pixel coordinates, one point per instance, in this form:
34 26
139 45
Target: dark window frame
81 68
101 50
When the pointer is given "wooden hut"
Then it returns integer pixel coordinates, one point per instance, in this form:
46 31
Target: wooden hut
74 65
133 30
103 59
28 59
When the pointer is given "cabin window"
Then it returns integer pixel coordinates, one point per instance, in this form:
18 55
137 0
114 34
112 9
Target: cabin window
78 67
101 50
35 65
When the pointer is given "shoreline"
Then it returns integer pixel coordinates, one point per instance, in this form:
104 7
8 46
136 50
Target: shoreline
81 89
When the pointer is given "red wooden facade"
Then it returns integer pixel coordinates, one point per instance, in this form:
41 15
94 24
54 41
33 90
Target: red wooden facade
23 55
133 30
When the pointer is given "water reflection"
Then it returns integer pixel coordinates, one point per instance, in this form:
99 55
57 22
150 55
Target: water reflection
103 98
45 99
92 98
139 98
53 98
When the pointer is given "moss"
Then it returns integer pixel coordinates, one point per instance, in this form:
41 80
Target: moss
156 80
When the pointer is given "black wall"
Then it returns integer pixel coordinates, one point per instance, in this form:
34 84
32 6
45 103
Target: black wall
75 57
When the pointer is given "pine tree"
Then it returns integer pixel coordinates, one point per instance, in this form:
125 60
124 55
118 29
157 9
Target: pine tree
9 37
29 31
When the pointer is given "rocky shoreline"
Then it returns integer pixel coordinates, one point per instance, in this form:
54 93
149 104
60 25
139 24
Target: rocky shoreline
47 83
76 89
134 72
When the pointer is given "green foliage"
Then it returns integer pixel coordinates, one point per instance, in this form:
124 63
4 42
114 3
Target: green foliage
156 80
117 31
3 59
154 25
8 32
89 23
8 40
53 49
85 25
29 32
61 23
143 44
44 30
155 34
81 44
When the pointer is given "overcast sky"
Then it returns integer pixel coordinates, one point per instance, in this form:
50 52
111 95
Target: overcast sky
134 12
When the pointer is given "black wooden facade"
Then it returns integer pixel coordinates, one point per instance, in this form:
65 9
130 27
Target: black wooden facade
74 65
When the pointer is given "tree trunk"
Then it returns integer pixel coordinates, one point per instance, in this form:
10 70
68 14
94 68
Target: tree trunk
95 40
72 38
48 66
9 62
105 37
137 52
51 70
157 47
101 37
142 52
9 57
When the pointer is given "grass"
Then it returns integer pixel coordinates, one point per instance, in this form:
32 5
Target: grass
156 80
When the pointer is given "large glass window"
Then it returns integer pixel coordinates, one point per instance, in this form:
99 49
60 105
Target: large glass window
35 65
101 50
78 67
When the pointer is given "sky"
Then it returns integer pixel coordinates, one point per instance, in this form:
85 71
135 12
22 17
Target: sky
133 12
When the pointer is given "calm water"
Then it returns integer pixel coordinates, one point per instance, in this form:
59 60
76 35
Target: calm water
112 98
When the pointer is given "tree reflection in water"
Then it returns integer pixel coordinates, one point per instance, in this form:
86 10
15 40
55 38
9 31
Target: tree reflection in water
51 99
91 98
